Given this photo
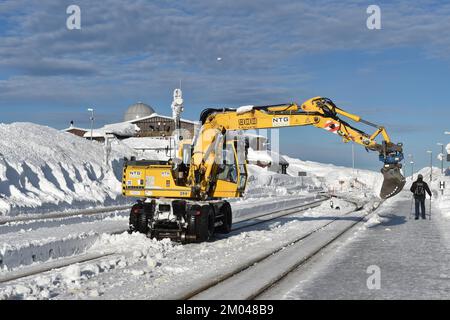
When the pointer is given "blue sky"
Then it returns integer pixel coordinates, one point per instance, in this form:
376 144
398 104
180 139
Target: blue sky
272 52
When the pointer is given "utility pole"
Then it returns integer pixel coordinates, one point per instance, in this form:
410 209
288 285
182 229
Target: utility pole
353 157
442 156
431 164
91 110
412 166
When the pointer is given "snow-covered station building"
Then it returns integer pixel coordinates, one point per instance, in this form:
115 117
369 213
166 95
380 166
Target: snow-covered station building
152 124
140 120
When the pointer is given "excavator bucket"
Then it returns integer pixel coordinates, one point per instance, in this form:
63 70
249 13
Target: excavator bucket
393 182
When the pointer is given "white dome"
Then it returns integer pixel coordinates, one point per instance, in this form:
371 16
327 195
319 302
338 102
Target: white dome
137 111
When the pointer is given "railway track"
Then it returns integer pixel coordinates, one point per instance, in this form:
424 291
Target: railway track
55 264
271 267
247 223
59 215
82 258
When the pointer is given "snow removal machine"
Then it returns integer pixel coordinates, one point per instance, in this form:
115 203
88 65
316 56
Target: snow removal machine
184 198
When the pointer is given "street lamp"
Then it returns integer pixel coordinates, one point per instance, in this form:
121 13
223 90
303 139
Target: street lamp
431 164
412 166
91 110
442 156
353 157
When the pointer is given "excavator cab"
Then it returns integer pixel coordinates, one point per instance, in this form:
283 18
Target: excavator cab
231 170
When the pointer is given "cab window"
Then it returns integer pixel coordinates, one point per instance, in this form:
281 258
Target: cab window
243 177
228 171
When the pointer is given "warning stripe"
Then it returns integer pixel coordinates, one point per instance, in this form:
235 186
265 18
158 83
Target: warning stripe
332 126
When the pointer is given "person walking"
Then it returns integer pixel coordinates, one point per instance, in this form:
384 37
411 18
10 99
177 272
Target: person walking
418 188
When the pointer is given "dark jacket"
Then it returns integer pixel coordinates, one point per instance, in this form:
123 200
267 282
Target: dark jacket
417 184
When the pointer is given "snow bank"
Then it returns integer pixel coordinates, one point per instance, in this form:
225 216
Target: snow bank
263 182
124 129
44 168
259 155
319 176
335 178
148 148
441 200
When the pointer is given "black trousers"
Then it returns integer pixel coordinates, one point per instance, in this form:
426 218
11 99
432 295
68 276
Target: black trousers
420 203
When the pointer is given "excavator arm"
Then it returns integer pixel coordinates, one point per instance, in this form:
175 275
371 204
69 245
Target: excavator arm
319 112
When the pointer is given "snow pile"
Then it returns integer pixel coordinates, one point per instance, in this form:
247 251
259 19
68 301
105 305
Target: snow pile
146 143
44 168
263 182
149 148
319 177
123 129
442 200
259 155
335 178
244 109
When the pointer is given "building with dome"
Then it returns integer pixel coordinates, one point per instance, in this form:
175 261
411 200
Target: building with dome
147 123
137 111
152 124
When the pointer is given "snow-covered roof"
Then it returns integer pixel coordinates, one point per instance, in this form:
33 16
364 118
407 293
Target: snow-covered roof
254 135
266 156
97 133
124 129
146 143
153 115
74 128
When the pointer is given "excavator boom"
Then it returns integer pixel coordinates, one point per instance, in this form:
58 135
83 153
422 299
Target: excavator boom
319 112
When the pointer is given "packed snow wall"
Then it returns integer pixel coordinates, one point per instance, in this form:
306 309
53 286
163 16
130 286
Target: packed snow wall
43 169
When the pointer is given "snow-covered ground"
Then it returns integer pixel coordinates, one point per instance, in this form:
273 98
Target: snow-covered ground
26 243
410 256
150 269
42 169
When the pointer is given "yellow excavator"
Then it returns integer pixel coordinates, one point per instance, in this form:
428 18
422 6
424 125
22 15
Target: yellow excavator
184 198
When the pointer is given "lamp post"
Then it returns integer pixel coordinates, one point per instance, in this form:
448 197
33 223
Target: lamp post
412 166
431 164
442 156
353 157
91 110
